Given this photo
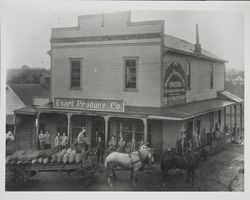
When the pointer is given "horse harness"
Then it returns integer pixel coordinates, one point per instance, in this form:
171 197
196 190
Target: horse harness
140 159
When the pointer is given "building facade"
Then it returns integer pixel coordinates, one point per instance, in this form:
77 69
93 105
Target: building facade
130 79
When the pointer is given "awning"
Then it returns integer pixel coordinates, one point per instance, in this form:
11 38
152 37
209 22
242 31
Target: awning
190 110
10 119
180 112
229 96
28 110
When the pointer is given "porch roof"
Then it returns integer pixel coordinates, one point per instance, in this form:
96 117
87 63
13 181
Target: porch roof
179 112
28 110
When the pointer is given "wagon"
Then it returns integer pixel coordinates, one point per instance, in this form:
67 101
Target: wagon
18 174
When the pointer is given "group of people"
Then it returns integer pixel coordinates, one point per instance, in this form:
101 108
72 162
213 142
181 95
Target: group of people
122 146
83 143
61 141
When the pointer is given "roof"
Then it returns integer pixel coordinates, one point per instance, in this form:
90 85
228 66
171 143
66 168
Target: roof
229 96
28 110
179 112
181 46
10 119
26 92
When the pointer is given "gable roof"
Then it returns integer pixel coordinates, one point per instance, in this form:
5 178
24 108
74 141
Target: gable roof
26 92
178 45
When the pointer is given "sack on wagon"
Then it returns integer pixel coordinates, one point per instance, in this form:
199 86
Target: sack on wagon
60 155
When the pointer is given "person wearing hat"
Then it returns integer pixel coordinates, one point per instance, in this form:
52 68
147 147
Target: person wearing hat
83 140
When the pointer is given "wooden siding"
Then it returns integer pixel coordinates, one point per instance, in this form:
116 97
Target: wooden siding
25 133
12 102
102 41
170 134
156 136
107 24
200 77
103 70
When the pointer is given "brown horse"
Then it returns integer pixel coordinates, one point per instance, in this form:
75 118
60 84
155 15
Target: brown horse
132 161
190 161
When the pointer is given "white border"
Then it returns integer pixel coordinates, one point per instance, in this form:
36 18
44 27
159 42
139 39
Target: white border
122 6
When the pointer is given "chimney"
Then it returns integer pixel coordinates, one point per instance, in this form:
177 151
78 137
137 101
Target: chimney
197 46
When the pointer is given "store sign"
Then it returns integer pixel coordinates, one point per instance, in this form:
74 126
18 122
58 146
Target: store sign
89 104
174 85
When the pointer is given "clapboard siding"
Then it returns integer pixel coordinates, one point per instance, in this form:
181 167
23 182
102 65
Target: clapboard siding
171 133
107 24
102 74
200 76
12 102
156 136
25 135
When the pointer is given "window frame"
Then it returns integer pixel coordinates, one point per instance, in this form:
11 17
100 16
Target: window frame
124 74
211 76
188 86
70 74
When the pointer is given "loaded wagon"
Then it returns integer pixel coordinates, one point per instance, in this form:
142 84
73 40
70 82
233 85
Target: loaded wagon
17 173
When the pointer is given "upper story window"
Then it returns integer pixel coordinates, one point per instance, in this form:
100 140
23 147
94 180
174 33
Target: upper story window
75 66
211 77
188 76
130 78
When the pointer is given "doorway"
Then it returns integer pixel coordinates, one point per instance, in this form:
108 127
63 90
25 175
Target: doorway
98 129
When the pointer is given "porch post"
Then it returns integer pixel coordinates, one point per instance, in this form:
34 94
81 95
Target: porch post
225 120
211 129
68 128
133 129
145 122
106 118
231 123
235 120
36 143
14 131
241 116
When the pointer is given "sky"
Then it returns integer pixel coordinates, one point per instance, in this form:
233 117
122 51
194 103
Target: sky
27 32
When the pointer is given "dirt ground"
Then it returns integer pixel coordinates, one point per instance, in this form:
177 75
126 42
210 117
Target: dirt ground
222 172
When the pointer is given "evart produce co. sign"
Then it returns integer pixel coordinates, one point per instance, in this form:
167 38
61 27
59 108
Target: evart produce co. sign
89 104
174 84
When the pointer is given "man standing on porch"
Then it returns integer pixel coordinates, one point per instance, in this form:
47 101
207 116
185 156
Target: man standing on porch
83 140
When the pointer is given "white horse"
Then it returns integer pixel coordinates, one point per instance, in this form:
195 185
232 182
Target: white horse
9 137
133 161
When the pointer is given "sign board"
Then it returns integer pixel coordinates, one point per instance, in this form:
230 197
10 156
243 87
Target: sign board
174 85
89 104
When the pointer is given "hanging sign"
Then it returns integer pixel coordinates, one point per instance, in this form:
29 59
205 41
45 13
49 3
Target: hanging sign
89 104
174 84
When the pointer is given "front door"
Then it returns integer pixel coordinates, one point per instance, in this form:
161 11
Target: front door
98 129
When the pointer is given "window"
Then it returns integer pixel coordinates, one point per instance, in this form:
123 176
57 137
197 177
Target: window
188 78
211 77
75 65
130 73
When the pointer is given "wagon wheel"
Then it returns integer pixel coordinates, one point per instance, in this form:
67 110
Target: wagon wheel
14 178
85 175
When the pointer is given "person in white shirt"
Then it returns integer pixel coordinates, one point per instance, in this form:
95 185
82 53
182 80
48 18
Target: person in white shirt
65 140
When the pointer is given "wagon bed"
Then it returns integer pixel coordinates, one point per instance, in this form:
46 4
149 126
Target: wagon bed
18 174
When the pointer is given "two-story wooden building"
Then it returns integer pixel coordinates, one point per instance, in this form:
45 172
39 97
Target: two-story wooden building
118 77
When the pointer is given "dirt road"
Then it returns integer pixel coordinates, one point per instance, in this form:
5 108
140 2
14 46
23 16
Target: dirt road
222 172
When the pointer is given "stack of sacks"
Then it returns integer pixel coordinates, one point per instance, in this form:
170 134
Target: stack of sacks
60 156
78 157
72 156
24 156
67 155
